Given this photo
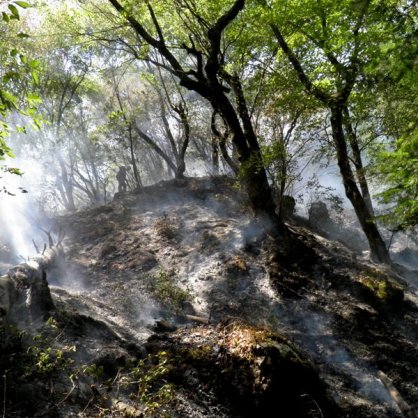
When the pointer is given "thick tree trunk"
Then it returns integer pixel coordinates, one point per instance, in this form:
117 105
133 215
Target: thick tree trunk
282 185
378 248
225 155
252 172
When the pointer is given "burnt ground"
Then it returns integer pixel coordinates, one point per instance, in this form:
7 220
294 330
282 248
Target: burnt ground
175 302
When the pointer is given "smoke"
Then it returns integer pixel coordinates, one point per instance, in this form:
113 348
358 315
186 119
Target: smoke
313 331
20 217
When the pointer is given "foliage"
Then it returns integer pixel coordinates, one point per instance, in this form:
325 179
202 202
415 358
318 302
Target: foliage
398 169
18 70
26 358
45 360
149 375
318 193
167 291
77 73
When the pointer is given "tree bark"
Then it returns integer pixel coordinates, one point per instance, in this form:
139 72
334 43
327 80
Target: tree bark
358 162
215 155
219 138
378 248
181 158
137 176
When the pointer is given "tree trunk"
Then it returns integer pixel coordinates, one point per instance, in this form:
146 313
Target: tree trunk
149 141
220 138
67 186
181 158
205 81
283 183
358 162
378 248
133 160
252 172
215 155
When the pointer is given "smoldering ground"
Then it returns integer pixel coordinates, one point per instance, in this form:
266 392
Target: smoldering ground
192 248
205 244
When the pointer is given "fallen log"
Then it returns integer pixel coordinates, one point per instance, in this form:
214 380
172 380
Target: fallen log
24 289
199 319
405 408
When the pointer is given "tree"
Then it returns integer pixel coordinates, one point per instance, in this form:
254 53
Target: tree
398 170
202 69
394 77
340 35
17 72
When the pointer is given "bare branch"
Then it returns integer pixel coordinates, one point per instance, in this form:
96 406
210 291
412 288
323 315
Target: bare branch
48 234
214 35
156 24
36 247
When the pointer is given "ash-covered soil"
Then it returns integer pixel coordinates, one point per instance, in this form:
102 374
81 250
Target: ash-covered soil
176 302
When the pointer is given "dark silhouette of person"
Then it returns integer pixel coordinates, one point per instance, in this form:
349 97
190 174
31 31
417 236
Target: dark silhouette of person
121 178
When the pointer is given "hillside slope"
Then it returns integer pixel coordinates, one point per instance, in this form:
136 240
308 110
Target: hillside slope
175 302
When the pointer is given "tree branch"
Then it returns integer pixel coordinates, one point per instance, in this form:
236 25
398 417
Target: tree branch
304 79
214 36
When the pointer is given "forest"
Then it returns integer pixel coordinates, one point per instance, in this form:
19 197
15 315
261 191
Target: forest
209 209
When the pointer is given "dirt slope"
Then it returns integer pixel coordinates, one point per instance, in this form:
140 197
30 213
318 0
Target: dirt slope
226 321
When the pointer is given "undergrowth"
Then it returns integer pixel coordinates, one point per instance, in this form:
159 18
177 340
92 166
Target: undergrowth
166 291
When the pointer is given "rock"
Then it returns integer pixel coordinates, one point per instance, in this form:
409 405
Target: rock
127 410
319 217
162 325
288 206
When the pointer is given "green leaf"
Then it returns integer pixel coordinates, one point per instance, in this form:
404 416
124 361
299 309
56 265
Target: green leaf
8 99
15 12
35 77
22 4
5 17
35 64
13 170
22 35
11 75
38 123
21 129
33 98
